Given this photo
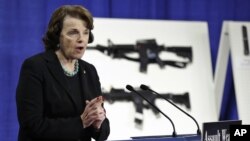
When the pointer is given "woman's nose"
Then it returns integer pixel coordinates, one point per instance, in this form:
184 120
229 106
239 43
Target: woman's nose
82 38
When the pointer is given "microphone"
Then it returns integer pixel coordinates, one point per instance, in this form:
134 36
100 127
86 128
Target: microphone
146 88
130 88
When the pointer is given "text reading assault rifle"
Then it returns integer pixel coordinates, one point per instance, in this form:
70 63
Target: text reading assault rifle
148 52
121 95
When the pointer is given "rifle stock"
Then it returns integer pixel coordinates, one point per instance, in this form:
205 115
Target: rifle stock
182 99
185 52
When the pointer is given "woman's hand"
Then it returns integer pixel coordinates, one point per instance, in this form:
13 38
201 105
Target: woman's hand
94 114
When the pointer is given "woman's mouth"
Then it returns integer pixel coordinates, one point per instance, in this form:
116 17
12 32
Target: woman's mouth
80 48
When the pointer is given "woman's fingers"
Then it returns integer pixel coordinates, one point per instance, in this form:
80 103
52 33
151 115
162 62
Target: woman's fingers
93 112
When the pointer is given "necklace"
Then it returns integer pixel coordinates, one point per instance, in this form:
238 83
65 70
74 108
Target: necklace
71 74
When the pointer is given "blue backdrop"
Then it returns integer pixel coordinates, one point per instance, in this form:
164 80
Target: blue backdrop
23 22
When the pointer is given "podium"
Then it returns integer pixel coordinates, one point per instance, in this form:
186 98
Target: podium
217 129
166 138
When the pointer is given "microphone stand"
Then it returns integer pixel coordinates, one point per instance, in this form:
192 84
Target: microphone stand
144 87
130 88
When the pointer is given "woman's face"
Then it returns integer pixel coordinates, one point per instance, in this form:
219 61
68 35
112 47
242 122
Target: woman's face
73 38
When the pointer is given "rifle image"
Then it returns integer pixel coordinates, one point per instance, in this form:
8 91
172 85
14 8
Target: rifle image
122 95
245 40
148 51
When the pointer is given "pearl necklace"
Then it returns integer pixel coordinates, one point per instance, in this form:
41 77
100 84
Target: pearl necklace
71 74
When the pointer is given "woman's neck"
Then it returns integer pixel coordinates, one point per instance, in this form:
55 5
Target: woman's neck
67 63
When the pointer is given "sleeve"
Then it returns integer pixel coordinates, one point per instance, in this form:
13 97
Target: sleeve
103 133
30 108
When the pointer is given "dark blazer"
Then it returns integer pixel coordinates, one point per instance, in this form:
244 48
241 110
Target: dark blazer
46 108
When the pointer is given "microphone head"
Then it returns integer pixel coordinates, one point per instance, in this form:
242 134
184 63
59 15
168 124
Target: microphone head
144 87
130 88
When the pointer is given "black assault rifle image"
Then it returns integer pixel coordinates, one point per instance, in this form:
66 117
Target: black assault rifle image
148 51
121 95
245 40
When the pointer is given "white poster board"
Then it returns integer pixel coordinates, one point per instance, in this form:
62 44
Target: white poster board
196 78
232 43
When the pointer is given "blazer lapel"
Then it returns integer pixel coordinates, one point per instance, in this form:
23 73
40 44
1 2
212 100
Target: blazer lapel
84 81
56 70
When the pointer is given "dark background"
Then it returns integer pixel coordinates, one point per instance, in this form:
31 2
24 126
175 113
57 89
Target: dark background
23 23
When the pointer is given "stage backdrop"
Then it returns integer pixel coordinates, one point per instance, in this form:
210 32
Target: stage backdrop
23 22
195 79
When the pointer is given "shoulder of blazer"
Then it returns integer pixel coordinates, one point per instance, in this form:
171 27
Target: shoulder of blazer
86 65
38 61
48 56
34 60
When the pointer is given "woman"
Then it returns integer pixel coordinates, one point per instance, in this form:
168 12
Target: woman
58 94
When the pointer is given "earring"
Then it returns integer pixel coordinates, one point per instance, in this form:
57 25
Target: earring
58 45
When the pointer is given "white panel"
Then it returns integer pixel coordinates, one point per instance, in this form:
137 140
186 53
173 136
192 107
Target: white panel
196 78
241 69
221 66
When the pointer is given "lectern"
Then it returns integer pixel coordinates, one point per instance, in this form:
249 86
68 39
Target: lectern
218 129
166 138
